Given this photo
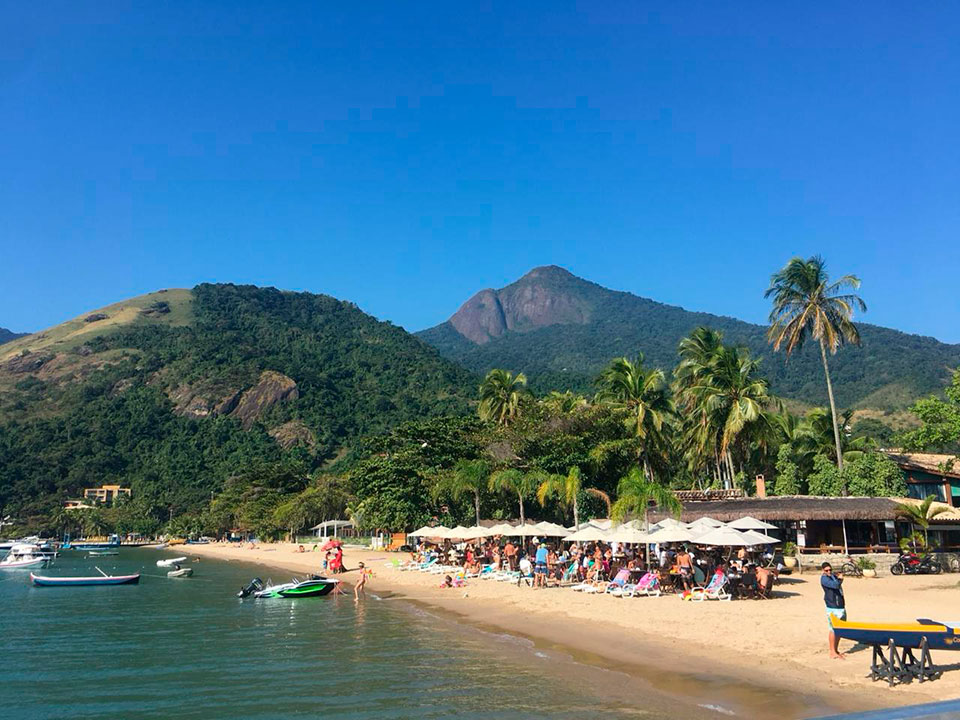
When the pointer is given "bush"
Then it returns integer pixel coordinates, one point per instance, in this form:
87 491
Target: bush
865 563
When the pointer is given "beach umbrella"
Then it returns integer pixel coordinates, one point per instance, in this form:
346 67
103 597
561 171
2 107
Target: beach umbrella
626 534
751 523
527 530
475 532
548 529
458 533
501 529
704 522
587 534
427 531
667 523
724 537
758 538
330 545
671 534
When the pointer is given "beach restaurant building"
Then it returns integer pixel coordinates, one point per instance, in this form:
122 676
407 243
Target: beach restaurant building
826 524
930 474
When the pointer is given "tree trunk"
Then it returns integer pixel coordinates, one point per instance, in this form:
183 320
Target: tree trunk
833 414
522 519
576 514
476 505
729 460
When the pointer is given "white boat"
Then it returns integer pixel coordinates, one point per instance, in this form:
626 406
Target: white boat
24 555
170 562
180 573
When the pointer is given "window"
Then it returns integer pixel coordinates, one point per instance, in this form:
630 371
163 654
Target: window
921 490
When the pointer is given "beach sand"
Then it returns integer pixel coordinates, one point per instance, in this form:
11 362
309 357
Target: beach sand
769 656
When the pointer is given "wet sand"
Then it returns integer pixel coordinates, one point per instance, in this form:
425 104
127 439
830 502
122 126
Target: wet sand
759 658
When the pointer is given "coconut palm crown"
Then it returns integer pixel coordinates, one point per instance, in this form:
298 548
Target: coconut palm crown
500 395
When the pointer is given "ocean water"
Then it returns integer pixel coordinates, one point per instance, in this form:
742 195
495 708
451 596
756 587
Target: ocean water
190 649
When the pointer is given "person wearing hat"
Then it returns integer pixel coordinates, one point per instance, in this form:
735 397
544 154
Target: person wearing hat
540 567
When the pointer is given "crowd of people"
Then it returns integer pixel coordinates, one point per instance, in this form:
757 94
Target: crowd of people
541 563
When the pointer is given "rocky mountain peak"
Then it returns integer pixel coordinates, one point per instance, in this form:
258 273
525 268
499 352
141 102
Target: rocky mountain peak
546 295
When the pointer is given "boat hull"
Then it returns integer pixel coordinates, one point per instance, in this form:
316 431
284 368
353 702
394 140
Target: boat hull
24 564
939 636
317 588
83 581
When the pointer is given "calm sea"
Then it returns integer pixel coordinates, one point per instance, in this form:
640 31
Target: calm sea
190 649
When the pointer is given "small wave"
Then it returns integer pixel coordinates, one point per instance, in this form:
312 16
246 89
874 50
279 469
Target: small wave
718 708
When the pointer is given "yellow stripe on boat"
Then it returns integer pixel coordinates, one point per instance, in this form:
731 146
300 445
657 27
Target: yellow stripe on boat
895 627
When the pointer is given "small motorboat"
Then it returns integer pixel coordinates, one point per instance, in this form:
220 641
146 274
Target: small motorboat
180 572
170 562
315 586
102 579
24 555
102 553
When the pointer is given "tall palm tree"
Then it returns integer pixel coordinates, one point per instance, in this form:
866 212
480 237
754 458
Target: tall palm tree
806 304
922 514
567 488
698 434
522 484
732 396
817 426
500 395
635 492
643 395
468 476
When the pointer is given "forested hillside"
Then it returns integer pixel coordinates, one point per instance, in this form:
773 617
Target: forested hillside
181 389
561 330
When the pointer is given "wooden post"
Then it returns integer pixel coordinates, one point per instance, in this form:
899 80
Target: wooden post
846 550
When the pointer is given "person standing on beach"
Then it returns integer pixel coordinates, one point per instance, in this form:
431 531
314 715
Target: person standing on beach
836 606
361 585
510 552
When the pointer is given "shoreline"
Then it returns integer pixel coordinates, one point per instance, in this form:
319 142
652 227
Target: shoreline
766 657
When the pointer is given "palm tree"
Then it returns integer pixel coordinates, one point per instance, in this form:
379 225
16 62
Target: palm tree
468 476
806 304
732 397
922 514
500 394
515 481
563 403
567 488
643 395
817 426
635 492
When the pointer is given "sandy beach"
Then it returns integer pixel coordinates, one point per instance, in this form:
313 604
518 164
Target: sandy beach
769 655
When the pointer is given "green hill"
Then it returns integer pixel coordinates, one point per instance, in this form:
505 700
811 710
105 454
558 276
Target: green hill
173 391
560 330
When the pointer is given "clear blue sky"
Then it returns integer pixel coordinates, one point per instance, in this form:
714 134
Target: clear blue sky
405 155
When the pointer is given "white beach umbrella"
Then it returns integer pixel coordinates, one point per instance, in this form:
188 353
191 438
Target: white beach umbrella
475 532
626 534
500 529
704 522
458 533
758 538
427 531
751 523
724 537
667 523
587 534
548 529
671 534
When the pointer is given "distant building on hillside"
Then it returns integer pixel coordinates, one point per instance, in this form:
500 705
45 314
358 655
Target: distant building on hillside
105 494
930 474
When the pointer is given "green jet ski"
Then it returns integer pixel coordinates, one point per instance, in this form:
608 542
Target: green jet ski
315 586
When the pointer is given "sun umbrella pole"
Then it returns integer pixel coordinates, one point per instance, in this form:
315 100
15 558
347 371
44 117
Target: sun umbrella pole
846 551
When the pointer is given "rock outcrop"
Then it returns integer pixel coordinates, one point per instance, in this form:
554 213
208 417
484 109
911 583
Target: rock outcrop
293 434
272 388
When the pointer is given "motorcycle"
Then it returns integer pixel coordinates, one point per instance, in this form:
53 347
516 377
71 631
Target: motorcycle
913 564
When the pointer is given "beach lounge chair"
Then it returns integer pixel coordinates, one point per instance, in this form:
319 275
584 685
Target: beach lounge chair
716 589
649 589
570 574
630 589
615 586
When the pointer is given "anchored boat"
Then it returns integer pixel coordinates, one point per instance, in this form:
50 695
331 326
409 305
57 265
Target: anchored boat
91 580
171 562
315 586
24 555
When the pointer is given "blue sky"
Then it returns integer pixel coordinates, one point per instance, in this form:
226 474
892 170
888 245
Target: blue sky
405 155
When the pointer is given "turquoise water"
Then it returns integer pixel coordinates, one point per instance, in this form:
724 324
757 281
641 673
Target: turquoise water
190 649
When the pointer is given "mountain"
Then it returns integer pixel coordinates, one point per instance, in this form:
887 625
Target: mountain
172 392
561 330
8 335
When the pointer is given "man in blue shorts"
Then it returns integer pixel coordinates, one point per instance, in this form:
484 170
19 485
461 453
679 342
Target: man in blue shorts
540 567
833 597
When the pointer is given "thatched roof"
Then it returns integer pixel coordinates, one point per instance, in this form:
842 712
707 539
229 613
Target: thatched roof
792 507
947 466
